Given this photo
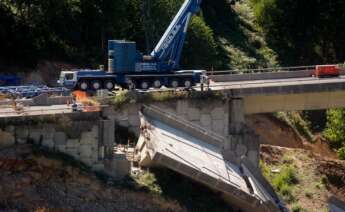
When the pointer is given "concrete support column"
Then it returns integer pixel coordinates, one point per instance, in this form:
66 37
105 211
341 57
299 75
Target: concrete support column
107 137
241 142
236 113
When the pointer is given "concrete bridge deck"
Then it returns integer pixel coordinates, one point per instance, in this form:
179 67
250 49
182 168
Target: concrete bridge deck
280 86
169 142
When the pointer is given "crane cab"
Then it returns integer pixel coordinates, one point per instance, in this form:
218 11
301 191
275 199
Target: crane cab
67 79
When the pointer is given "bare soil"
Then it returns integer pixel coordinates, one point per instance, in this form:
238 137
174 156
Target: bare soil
31 182
319 178
272 131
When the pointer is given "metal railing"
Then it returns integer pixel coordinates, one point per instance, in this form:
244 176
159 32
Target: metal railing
262 70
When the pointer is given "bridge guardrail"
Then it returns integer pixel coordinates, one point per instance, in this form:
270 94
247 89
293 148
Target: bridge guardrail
262 70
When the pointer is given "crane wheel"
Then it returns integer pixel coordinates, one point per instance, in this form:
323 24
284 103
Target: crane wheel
83 85
144 85
187 83
96 85
174 83
157 83
109 84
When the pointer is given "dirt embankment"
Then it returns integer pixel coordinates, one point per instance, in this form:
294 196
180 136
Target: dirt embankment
318 178
32 182
273 131
334 170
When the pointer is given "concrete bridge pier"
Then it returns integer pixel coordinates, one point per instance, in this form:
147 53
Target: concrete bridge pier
241 143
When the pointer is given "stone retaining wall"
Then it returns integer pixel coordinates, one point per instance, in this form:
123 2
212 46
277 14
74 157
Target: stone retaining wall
86 147
212 115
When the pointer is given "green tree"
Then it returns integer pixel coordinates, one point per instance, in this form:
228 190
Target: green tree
335 129
303 32
201 49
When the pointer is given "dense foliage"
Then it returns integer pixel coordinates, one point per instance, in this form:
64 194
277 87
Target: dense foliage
335 130
303 32
78 30
222 36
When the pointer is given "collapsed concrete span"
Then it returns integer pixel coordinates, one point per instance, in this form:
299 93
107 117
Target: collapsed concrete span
169 141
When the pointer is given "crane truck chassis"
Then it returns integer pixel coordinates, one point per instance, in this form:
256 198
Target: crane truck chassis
129 68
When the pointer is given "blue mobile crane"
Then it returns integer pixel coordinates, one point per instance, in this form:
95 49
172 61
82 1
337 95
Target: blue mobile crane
129 68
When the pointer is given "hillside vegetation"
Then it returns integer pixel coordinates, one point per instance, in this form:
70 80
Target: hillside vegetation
221 36
303 180
303 32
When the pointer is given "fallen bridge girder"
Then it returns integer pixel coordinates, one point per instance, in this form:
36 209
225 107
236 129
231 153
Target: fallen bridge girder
161 144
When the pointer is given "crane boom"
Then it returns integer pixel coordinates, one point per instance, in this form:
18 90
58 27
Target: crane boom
169 48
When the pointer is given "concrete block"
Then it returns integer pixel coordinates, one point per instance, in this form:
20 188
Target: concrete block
94 155
22 134
60 138
206 120
72 152
193 114
6 139
94 130
123 123
253 157
88 139
121 115
118 167
85 151
218 126
21 141
10 129
217 113
49 131
72 143
61 148
49 143
98 167
41 100
133 109
36 135
134 120
197 123
182 107
241 150
87 161
108 111
107 128
101 152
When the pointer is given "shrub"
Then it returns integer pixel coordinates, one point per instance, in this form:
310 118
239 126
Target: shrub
309 194
297 208
335 129
287 176
149 181
324 180
286 192
284 181
341 153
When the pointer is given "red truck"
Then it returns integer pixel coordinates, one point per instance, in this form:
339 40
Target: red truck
327 71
